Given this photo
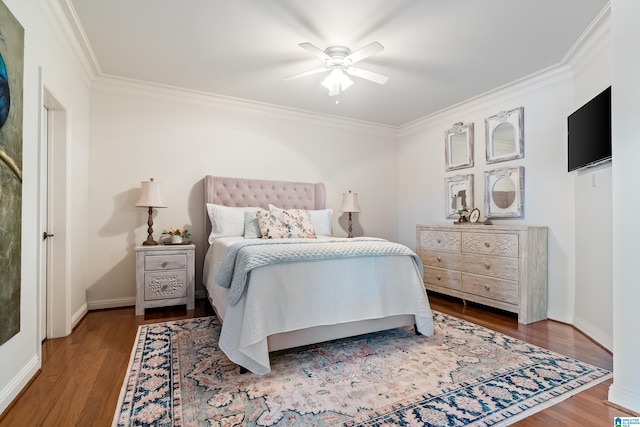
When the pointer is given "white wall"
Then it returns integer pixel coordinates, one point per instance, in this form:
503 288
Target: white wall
20 356
140 131
575 206
625 89
594 269
548 193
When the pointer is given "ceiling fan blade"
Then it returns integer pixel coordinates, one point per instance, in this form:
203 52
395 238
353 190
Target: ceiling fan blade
315 51
370 49
368 75
306 73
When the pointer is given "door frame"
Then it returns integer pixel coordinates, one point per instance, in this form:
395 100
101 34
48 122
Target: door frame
55 281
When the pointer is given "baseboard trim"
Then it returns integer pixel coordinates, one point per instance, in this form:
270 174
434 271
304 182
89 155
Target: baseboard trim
18 383
78 316
596 335
623 398
111 303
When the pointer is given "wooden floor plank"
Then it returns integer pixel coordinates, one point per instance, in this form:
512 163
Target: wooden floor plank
81 376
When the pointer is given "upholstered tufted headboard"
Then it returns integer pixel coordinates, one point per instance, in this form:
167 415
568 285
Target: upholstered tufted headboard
257 192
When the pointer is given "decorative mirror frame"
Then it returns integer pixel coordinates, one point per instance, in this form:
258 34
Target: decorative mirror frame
457 129
514 117
451 184
491 209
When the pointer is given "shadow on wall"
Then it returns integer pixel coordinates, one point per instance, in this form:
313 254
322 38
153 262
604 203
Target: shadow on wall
343 222
101 293
117 286
196 212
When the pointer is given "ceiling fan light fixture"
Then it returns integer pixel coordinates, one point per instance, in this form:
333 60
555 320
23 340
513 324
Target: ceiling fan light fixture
337 81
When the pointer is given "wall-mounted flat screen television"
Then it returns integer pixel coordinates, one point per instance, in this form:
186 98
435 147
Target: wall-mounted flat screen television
589 132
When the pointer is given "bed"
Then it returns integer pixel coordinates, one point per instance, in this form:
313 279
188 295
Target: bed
290 304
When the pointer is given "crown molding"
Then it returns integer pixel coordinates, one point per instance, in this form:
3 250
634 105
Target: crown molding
64 21
112 83
595 38
549 76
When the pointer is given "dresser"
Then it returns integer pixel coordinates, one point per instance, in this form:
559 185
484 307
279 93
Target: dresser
499 266
165 276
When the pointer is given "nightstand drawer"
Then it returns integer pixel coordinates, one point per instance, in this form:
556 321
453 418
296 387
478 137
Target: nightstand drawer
165 262
163 285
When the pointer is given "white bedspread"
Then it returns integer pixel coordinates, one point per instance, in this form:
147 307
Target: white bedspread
299 295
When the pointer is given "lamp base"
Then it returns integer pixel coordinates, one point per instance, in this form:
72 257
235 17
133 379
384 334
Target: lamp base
350 235
150 241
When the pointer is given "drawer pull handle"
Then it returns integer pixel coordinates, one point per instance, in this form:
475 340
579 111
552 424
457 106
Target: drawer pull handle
487 266
438 259
487 244
487 287
439 277
164 264
438 240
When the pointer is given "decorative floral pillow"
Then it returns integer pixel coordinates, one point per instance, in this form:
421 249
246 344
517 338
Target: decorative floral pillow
285 223
321 220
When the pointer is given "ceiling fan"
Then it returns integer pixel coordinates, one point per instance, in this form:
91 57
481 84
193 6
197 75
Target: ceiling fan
339 60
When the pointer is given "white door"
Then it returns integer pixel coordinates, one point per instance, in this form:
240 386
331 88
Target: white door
44 225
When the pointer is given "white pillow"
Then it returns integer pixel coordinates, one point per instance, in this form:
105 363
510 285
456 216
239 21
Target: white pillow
321 220
226 221
251 227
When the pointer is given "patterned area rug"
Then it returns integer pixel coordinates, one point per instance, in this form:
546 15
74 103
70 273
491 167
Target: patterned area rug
463 375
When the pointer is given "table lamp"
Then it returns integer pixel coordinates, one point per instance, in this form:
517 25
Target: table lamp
150 197
350 205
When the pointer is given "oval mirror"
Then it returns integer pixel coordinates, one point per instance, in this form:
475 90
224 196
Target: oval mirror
504 192
504 140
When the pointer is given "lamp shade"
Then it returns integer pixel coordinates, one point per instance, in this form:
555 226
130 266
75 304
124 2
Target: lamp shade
151 195
350 202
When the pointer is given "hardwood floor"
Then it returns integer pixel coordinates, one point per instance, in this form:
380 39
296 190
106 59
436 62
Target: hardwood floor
82 374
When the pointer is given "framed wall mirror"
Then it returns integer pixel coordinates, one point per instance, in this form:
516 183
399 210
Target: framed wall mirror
504 192
458 194
505 135
458 146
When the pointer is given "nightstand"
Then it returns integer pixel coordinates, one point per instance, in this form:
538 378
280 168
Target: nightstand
165 276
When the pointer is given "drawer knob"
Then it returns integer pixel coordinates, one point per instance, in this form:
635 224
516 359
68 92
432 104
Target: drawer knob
487 287
487 244
164 264
438 259
439 277
438 240
487 266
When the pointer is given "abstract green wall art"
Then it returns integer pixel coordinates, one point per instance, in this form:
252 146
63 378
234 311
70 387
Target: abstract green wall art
11 81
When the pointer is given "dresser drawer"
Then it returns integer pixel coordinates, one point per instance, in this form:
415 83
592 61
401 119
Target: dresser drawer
165 262
444 278
163 285
440 240
491 244
488 265
448 260
495 289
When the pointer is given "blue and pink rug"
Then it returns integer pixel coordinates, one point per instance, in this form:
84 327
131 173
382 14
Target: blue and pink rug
463 375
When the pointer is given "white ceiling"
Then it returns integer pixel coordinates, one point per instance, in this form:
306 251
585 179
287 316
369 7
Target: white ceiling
437 53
